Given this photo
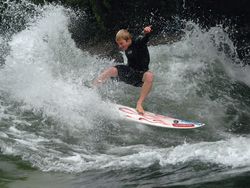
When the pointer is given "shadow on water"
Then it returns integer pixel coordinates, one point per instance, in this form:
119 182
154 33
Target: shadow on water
12 169
17 173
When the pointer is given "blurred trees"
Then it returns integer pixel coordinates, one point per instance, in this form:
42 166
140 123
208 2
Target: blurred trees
105 17
111 15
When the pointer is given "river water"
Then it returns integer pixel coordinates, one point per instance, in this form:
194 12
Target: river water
55 132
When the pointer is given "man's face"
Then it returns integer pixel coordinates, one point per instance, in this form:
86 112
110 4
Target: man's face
123 44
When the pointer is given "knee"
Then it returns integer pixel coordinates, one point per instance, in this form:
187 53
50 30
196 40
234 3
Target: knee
113 71
148 77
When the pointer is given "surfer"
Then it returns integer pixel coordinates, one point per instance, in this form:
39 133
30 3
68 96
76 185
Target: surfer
136 72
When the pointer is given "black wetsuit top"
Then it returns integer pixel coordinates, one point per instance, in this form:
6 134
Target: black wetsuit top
137 53
138 60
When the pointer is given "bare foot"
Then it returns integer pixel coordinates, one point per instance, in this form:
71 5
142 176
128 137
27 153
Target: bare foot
139 109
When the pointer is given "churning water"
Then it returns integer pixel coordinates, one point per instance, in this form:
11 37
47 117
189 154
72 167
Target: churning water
49 120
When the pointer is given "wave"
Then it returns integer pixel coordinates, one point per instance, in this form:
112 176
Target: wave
57 124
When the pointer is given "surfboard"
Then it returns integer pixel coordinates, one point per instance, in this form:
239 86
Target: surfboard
152 119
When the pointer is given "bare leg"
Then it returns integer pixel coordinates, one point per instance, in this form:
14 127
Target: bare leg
105 75
146 88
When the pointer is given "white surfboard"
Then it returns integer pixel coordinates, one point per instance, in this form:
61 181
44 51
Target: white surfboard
156 120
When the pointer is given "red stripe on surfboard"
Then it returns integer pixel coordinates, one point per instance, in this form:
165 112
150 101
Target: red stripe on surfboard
127 110
154 121
151 118
182 125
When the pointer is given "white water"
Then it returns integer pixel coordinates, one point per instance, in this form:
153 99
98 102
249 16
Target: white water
40 74
44 72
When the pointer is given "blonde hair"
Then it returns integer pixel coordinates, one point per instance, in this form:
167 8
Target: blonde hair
123 34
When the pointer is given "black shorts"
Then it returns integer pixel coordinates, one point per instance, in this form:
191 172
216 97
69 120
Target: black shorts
129 75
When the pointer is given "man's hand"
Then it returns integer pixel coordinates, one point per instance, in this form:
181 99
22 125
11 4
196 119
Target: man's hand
147 29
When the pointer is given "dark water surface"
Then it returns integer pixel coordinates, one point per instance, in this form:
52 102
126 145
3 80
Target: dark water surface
55 132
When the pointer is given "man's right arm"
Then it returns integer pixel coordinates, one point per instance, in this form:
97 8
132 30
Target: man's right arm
144 37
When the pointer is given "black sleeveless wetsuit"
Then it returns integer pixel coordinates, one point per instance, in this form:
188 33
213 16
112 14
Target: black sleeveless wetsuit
138 61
